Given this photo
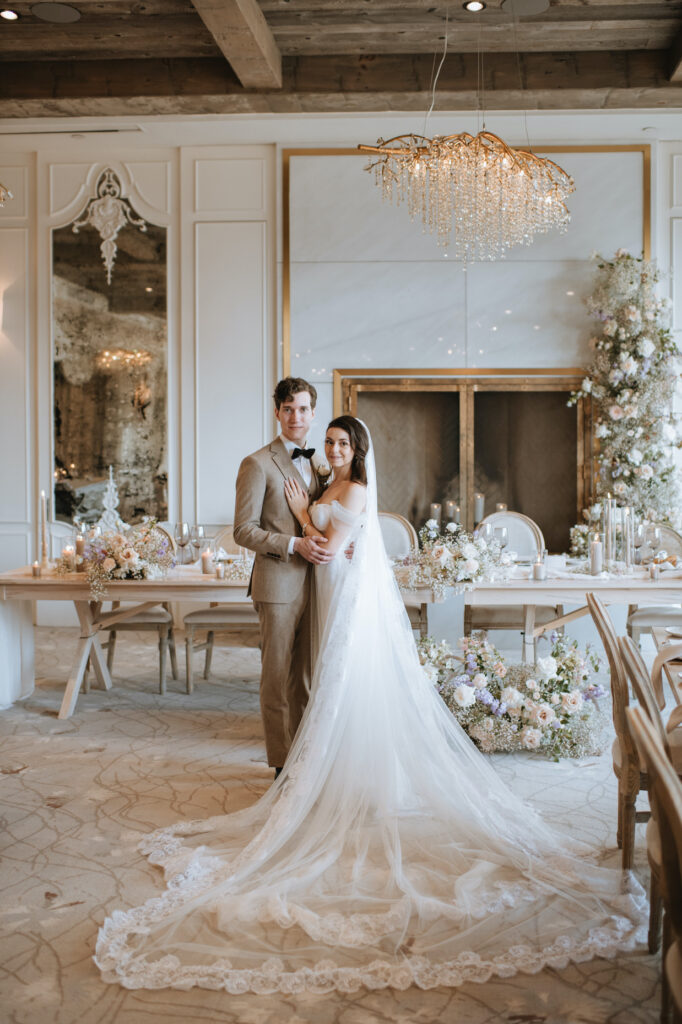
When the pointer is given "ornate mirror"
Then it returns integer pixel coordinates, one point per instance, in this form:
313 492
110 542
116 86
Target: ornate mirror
110 359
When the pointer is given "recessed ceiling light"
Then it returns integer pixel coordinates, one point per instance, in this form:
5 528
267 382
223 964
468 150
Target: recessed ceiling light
9 15
473 5
59 14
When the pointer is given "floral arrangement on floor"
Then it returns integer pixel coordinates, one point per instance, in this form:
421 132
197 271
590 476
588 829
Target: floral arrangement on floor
451 558
135 553
551 707
632 380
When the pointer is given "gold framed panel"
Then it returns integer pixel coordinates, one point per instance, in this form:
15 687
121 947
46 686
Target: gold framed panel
349 383
287 154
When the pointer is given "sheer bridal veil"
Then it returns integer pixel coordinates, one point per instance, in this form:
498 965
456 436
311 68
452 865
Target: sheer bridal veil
388 853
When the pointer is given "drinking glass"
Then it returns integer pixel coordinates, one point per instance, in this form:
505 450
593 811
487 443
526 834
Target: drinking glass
181 534
653 539
638 538
502 536
198 540
486 531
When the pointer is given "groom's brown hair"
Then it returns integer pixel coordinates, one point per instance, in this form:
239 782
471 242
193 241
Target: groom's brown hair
291 386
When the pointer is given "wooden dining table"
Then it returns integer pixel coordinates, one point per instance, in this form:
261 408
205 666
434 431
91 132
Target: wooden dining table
184 583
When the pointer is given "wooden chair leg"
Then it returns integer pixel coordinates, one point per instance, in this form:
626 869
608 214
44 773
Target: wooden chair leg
111 645
628 833
209 654
667 1009
619 831
163 649
85 685
173 653
655 914
189 651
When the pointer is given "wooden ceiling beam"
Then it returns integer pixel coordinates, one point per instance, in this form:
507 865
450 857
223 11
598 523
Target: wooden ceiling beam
583 81
244 37
676 59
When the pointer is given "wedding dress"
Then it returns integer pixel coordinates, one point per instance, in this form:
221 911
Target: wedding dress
388 853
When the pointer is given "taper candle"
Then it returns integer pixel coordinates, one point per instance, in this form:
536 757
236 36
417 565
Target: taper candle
44 554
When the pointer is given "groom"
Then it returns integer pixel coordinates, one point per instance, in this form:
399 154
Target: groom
282 577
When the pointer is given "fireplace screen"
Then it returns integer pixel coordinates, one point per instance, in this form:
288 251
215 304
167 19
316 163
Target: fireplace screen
514 441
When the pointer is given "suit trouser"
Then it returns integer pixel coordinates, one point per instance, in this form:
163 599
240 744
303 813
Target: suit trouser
286 669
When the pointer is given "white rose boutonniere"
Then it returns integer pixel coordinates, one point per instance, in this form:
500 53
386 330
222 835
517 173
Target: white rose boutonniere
321 466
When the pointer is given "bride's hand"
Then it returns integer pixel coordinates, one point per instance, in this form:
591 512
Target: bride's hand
297 498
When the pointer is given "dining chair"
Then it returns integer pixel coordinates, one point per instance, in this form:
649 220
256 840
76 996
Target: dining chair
666 802
237 621
670 739
400 540
158 620
644 618
632 778
526 539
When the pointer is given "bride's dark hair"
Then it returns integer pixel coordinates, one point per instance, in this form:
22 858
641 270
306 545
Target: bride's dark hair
359 441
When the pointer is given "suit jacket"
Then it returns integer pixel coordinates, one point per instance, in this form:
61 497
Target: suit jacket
264 523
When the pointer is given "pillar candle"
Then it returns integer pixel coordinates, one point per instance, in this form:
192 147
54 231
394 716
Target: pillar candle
539 570
35 568
479 507
435 511
500 507
207 562
596 556
453 513
220 571
69 555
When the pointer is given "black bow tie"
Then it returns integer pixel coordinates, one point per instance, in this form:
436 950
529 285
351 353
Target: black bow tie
307 453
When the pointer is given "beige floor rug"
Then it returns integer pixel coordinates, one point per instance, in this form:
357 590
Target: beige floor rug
77 795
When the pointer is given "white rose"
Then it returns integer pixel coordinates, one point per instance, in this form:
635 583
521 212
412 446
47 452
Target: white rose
619 488
532 684
479 681
464 696
645 347
547 667
610 328
571 702
554 699
635 456
632 313
630 366
442 554
470 566
530 738
543 714
615 412
469 550
511 697
587 385
108 564
451 527
646 472
602 430
630 411
431 524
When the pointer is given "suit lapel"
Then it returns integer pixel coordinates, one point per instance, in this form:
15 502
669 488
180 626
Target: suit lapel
282 459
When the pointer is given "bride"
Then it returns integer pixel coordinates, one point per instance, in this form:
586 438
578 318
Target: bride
388 853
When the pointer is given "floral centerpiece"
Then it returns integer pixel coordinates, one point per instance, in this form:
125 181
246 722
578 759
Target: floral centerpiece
551 707
451 558
580 532
631 381
132 553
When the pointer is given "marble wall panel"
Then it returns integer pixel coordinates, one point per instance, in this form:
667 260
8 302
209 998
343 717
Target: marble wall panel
383 314
528 314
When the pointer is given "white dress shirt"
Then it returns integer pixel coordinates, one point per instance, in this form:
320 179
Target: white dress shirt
304 468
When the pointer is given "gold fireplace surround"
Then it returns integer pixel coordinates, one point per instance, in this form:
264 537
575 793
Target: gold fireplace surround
507 433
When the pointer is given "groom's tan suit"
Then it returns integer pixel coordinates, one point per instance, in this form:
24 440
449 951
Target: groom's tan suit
281 588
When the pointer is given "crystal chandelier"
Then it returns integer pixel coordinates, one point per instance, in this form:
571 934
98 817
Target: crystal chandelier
479 190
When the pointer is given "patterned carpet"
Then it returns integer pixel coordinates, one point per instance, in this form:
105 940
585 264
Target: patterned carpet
77 795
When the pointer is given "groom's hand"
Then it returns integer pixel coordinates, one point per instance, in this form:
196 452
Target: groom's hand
312 549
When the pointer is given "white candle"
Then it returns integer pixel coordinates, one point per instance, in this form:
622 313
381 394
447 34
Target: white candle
436 511
44 554
500 507
539 570
35 568
479 507
80 544
452 512
207 562
596 556
69 556
220 571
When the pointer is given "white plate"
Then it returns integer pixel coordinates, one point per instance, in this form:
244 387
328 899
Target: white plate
677 631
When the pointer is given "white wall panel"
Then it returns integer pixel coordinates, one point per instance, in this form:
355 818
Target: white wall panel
230 344
676 271
15 546
676 181
230 186
67 183
151 178
14 386
15 178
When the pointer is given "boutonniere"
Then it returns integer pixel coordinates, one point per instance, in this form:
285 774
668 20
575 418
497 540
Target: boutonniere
321 467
